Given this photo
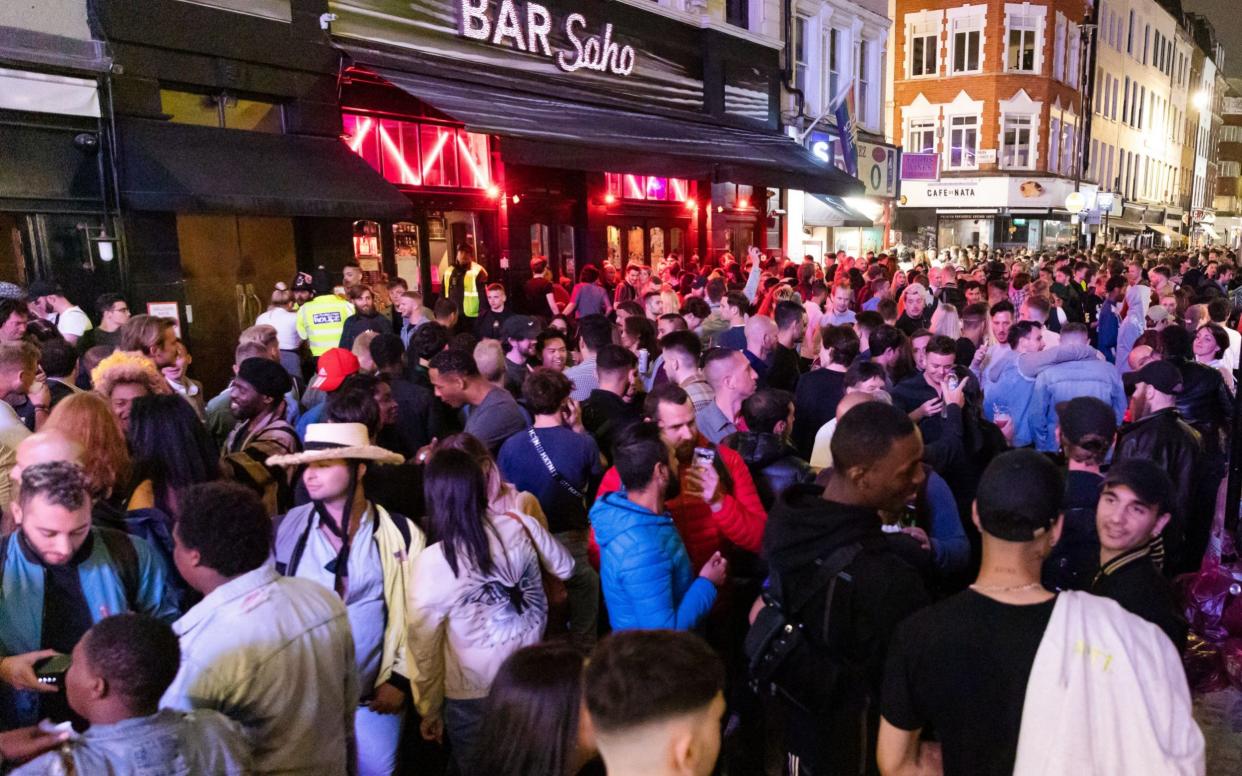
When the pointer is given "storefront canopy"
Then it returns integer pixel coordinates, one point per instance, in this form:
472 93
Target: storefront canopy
1166 231
185 168
1122 225
831 211
551 131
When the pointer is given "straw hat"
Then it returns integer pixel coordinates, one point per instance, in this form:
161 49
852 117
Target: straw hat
334 441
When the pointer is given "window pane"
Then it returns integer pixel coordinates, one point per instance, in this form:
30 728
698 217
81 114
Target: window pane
657 188
397 162
614 184
475 160
362 137
635 188
439 155
253 115
920 47
190 108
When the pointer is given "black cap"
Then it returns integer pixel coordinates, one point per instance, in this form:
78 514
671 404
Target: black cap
1148 481
41 288
268 377
1019 496
1086 416
1161 375
520 327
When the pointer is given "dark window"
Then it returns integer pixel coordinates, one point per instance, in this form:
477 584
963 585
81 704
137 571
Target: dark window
737 13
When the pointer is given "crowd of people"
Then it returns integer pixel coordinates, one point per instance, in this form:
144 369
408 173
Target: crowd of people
756 515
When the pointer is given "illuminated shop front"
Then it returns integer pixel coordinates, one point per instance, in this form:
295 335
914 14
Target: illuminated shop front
574 130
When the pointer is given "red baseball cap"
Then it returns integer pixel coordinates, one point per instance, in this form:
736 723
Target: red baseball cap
334 366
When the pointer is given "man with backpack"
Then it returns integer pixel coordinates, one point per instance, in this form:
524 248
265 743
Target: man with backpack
60 576
839 586
257 401
351 545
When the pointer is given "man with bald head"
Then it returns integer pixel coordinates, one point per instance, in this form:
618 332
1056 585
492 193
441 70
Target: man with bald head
43 447
1140 356
734 381
761 339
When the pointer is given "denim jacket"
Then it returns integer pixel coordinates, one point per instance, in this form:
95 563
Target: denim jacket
275 654
168 742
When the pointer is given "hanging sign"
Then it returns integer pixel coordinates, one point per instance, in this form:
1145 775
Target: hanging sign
502 24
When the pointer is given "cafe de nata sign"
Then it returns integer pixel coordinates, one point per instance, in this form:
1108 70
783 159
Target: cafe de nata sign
501 24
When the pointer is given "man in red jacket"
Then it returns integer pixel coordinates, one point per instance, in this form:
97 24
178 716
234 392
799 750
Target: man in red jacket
713 504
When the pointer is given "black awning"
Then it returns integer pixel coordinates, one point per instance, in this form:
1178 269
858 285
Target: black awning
550 131
193 169
42 170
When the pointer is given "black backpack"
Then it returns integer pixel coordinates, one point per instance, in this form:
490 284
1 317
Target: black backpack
798 661
124 558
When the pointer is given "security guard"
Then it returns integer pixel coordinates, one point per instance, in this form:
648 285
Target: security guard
322 319
464 281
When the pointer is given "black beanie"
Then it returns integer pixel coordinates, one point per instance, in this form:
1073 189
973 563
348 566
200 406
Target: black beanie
268 377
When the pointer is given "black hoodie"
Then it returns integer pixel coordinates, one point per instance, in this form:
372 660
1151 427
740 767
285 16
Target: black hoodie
887 587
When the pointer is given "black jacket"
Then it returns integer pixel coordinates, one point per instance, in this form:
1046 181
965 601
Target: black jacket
815 404
1075 558
1205 403
774 465
1133 581
1169 442
604 414
887 587
358 323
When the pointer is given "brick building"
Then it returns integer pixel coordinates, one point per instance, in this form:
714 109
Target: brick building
991 90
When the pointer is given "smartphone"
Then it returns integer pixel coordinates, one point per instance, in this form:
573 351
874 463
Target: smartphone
704 456
51 670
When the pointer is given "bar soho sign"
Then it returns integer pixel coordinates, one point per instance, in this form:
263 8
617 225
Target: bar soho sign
529 33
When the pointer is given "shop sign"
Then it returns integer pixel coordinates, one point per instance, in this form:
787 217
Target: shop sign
920 167
955 192
529 32
877 163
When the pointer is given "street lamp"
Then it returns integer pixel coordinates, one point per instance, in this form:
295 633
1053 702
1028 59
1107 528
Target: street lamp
1200 100
1074 203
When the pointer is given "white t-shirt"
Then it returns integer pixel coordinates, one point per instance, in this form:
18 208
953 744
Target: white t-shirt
73 322
1234 349
286 324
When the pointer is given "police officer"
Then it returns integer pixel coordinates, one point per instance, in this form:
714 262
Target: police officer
322 319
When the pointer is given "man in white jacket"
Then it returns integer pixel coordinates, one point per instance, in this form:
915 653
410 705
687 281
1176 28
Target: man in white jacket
1017 679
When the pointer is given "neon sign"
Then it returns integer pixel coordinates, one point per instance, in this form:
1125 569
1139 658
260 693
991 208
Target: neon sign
530 33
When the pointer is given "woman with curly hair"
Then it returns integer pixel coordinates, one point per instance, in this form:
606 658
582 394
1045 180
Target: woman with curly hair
124 376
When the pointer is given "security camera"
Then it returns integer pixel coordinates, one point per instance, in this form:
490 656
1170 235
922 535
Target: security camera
86 142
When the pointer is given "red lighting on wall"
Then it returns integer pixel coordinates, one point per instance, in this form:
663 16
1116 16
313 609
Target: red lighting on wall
414 153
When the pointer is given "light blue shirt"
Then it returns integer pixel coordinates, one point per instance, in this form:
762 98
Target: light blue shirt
364 596
168 743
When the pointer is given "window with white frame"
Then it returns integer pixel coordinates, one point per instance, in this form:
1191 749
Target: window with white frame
1058 49
1113 115
1067 149
1017 142
921 136
801 25
924 38
967 44
1023 44
833 48
963 142
1073 46
1054 145
862 81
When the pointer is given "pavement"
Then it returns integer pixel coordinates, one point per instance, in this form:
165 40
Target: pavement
1219 715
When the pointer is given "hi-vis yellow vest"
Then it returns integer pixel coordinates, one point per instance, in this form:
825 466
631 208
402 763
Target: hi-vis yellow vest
321 321
470 292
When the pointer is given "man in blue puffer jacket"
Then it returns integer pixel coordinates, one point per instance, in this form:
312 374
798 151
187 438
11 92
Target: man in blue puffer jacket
1071 370
644 569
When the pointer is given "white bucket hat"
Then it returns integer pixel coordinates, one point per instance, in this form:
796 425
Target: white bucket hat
334 441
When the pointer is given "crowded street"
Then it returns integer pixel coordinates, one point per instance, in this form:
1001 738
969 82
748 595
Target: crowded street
627 387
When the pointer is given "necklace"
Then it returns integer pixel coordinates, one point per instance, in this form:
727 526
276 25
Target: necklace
1005 588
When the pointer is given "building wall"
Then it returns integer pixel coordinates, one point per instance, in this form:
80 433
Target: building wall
861 31
1047 93
1152 144
66 18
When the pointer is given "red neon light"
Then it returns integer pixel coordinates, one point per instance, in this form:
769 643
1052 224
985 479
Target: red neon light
635 187
609 199
678 188
407 175
362 128
434 155
493 191
691 204
480 175
743 203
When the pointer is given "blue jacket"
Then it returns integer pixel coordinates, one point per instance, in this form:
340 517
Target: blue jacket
21 606
644 569
1015 390
1110 326
1086 375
